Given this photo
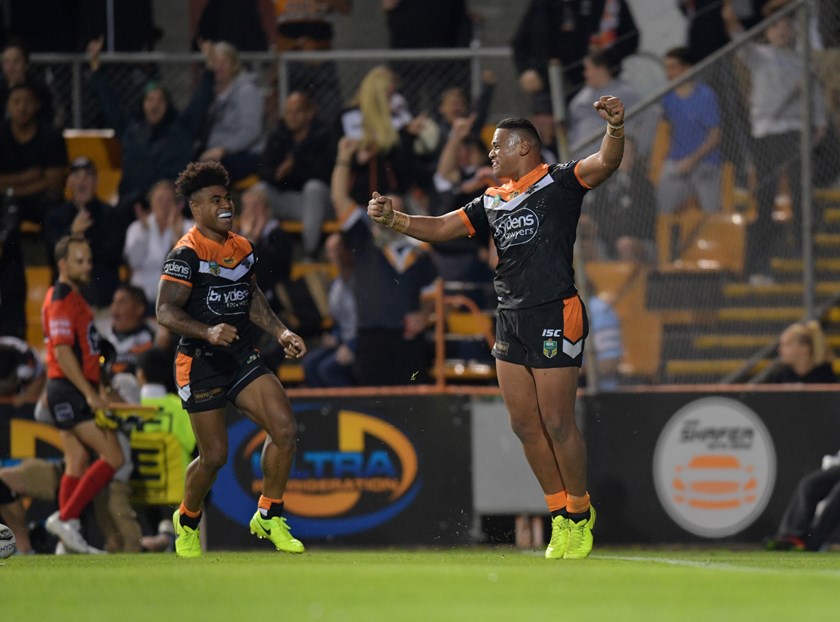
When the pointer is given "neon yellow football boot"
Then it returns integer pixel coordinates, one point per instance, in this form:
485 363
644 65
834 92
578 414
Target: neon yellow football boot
559 538
187 542
276 530
579 545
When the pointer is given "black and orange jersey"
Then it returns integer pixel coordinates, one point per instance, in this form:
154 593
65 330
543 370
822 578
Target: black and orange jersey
67 319
533 222
220 278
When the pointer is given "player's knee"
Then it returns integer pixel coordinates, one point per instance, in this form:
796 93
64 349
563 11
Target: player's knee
213 458
527 429
282 432
560 427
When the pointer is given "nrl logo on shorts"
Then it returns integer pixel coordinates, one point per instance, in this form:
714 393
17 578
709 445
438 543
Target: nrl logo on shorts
549 348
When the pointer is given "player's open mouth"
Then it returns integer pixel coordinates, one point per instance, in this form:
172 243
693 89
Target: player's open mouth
225 215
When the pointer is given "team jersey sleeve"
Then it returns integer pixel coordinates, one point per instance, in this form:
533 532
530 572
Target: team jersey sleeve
475 218
181 266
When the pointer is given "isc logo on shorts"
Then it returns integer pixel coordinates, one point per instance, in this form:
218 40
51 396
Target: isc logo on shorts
552 332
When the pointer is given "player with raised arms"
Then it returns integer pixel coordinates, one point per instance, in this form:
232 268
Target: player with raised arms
542 322
208 294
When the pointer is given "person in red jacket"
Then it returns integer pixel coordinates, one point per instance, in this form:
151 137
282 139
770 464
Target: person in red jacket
73 392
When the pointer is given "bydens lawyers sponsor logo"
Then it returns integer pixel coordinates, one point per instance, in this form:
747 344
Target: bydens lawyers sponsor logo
517 228
714 467
177 268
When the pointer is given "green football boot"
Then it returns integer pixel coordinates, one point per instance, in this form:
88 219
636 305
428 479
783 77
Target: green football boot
559 538
579 545
187 542
276 530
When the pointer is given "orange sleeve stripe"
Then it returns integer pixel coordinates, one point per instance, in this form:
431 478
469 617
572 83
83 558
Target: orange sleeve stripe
466 221
580 179
166 277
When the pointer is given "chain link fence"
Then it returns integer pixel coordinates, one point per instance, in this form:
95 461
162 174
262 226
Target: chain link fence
705 258
717 233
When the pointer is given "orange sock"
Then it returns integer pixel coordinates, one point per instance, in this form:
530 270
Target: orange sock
577 505
190 513
265 506
556 501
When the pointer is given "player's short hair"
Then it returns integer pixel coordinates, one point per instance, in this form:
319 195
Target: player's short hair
682 55
62 247
135 293
523 127
199 175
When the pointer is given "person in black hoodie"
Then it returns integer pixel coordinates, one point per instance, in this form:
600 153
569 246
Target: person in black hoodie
158 143
804 355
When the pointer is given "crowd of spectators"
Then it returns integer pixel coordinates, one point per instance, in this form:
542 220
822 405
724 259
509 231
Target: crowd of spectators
411 131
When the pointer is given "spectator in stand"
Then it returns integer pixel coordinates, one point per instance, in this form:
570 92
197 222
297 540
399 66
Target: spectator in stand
22 374
692 166
379 119
565 31
235 133
33 157
296 166
331 364
273 246
392 273
623 212
605 336
804 356
149 239
600 70
307 26
776 122
157 143
414 24
463 170
99 223
16 70
128 331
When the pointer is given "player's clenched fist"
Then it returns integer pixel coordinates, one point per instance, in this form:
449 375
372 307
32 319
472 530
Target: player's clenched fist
380 209
293 345
611 109
221 335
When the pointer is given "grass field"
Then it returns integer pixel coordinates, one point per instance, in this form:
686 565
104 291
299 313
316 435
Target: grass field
504 584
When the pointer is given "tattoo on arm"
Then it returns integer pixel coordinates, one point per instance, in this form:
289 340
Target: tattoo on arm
170 311
261 313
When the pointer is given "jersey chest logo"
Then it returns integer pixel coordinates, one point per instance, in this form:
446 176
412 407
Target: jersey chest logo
517 228
229 299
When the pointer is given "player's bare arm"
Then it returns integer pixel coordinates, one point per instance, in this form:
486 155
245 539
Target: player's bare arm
450 226
170 313
596 168
262 315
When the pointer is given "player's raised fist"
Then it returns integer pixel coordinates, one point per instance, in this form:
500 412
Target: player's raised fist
611 109
380 209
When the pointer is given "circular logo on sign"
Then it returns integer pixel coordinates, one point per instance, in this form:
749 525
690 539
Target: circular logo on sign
714 467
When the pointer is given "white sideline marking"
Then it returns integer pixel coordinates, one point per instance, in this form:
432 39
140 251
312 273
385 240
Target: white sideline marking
716 565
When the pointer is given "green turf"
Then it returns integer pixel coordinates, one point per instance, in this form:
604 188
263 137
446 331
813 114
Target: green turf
621 585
